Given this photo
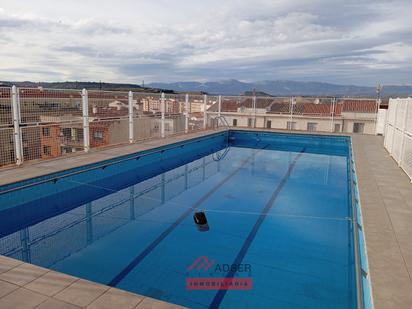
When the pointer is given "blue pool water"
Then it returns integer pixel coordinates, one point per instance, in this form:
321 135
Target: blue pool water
277 204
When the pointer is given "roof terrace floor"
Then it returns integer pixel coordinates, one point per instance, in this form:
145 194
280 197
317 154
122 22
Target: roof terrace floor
386 201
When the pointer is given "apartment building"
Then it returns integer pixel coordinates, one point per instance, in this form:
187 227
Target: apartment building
344 115
152 104
51 121
66 135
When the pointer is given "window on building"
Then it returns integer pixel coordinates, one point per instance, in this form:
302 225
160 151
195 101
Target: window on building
337 127
67 132
47 150
46 131
167 126
269 124
358 127
234 122
249 122
80 135
312 126
98 135
291 125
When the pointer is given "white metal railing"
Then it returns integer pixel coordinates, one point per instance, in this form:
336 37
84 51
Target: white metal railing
398 133
37 123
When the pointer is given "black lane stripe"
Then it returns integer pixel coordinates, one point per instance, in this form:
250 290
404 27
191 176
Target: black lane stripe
120 276
248 241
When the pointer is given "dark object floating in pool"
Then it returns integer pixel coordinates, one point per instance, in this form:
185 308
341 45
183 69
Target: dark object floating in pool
201 221
200 217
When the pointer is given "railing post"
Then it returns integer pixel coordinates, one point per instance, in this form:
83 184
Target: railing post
131 127
405 120
254 111
16 124
85 109
291 114
219 105
204 111
162 110
332 114
187 113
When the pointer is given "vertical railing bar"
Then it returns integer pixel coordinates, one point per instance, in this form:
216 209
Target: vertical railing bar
219 105
18 147
162 110
205 111
186 113
401 156
291 101
131 126
332 114
85 107
254 111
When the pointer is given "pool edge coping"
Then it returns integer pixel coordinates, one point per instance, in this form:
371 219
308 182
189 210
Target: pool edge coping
357 219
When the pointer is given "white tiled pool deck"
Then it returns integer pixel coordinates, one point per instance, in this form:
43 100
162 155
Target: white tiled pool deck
24 286
386 199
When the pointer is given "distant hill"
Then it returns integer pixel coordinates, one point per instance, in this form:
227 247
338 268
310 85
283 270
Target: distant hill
233 87
284 88
256 93
81 85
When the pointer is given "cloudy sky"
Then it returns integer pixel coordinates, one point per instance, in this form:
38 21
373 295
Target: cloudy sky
352 42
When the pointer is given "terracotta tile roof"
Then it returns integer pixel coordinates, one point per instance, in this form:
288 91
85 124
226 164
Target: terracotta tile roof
227 106
359 106
260 102
279 108
321 109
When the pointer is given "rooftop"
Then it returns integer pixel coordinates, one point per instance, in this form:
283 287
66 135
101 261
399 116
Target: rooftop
303 106
47 116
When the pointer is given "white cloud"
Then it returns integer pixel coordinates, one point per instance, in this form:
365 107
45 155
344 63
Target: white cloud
128 41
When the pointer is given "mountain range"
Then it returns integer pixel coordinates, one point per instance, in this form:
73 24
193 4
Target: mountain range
284 88
233 87
81 85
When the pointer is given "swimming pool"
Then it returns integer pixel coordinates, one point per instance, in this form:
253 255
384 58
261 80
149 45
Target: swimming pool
279 232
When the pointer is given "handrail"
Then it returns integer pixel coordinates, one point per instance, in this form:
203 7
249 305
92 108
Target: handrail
226 124
223 120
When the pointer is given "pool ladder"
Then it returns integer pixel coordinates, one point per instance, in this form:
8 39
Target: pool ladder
222 119
221 155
